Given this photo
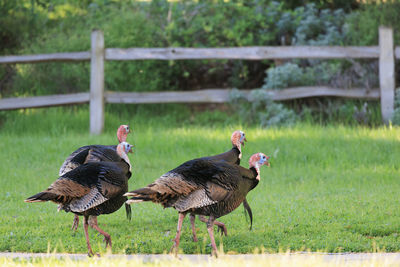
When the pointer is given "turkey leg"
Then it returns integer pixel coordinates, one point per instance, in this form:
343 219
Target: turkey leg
86 227
210 229
221 226
192 219
93 224
178 233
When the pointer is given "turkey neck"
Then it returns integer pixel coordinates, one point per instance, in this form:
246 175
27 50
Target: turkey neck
238 147
124 156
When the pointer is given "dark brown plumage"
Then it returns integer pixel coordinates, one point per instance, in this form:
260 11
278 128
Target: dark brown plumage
232 156
94 153
92 189
203 187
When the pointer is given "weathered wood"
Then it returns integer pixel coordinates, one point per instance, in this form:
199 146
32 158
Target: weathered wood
318 91
249 53
397 52
73 56
222 95
386 72
199 96
97 83
252 53
43 101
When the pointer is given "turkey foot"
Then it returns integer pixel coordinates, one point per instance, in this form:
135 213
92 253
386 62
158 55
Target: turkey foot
75 224
93 224
221 226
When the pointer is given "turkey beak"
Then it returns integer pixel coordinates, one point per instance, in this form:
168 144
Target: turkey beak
267 162
130 150
244 141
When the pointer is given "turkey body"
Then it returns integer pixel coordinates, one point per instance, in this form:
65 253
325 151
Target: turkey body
233 157
88 153
92 153
202 186
106 182
90 190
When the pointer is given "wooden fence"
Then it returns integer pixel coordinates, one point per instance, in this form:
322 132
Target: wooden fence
385 52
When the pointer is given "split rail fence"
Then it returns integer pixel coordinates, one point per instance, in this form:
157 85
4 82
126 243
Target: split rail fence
386 52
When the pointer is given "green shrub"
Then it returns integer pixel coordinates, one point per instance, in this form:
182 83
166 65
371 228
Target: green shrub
362 26
396 114
309 25
260 109
150 24
284 76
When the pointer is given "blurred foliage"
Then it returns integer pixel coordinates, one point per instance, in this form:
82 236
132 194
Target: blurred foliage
346 5
396 114
363 24
49 26
259 108
309 25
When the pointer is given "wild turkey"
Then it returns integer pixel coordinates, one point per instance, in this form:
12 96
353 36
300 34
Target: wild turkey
93 153
204 187
92 189
82 155
232 156
235 154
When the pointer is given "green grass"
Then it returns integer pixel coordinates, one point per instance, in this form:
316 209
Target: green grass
330 188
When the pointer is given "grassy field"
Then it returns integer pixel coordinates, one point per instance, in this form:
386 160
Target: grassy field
329 188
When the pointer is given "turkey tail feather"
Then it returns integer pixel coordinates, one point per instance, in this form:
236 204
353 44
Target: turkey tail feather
140 195
133 200
247 209
41 197
128 211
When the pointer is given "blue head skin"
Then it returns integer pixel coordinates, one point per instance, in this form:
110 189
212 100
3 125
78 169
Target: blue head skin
257 160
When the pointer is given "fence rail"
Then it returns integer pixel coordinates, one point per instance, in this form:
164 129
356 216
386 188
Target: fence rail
385 52
74 56
198 96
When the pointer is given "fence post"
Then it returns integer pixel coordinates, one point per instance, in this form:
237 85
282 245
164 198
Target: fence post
386 72
97 82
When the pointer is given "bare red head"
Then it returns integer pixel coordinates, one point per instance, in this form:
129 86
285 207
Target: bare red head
237 139
257 160
122 133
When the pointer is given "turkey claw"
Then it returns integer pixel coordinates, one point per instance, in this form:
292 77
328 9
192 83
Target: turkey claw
108 241
223 230
75 224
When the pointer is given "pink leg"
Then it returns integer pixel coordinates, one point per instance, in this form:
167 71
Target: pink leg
85 227
221 226
210 229
75 224
178 233
192 219
93 224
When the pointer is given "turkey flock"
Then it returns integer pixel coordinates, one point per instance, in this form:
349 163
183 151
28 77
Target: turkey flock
93 180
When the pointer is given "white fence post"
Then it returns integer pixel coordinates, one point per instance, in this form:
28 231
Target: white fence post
386 72
97 82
